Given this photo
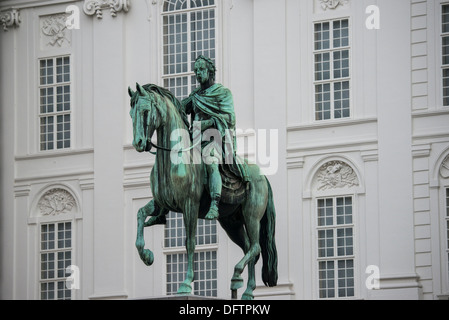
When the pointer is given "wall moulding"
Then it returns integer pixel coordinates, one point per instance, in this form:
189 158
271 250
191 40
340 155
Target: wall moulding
444 169
96 7
10 18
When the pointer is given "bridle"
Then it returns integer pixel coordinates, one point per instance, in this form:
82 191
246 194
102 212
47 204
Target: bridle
170 150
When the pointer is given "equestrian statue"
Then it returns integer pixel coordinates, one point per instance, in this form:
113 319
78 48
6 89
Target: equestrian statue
198 173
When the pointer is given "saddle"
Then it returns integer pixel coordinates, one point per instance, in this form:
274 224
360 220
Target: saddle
234 189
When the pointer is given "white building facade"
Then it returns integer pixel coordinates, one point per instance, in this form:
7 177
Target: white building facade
352 95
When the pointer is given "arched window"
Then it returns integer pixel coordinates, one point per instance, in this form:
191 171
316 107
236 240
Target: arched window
188 30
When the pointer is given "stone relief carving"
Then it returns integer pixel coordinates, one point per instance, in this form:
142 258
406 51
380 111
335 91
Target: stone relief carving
9 18
54 31
444 170
55 202
96 7
336 174
332 4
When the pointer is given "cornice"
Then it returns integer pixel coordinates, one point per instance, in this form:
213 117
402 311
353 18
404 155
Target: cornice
24 4
10 10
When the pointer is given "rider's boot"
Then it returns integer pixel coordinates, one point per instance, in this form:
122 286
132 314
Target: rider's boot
213 211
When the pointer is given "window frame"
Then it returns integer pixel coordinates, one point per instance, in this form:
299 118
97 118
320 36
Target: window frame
55 250
179 250
335 258
445 229
54 114
444 67
332 80
219 18
189 74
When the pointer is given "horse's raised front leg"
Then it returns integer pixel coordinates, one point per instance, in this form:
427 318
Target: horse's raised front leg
190 222
157 217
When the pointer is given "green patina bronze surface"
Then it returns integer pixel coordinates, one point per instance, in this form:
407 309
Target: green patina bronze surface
222 187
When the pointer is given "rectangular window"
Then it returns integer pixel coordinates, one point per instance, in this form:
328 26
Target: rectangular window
332 70
447 228
189 30
54 103
445 53
205 283
335 247
55 257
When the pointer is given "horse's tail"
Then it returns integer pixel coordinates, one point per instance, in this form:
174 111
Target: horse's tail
268 244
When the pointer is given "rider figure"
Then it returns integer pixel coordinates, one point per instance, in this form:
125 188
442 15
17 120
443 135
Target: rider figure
212 107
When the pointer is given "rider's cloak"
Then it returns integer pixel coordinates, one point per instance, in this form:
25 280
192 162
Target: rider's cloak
217 103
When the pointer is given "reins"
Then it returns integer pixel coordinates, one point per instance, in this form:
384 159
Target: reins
170 150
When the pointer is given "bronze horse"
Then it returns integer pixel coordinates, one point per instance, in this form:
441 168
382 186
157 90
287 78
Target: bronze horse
249 219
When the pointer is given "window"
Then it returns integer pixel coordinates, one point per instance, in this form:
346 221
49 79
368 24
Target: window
55 257
445 53
335 247
205 283
332 70
447 229
55 103
189 30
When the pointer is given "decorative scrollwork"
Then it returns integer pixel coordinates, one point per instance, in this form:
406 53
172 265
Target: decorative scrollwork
9 18
336 174
332 4
96 7
55 202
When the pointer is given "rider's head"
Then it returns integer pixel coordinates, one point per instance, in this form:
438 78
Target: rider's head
209 65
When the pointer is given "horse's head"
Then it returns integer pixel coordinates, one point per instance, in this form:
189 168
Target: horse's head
148 115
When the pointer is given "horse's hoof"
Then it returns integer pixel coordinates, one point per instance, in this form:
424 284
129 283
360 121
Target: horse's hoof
184 289
248 296
147 257
236 283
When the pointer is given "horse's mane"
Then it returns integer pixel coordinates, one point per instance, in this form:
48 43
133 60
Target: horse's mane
164 93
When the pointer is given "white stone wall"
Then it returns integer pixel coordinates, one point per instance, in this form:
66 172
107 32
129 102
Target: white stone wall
395 141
